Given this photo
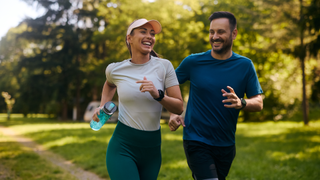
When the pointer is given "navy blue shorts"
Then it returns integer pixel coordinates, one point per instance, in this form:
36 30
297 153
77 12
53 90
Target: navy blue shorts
208 162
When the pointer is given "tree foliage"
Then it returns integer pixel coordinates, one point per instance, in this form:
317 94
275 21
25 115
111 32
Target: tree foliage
56 62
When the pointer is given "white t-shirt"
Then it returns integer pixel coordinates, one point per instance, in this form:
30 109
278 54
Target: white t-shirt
137 109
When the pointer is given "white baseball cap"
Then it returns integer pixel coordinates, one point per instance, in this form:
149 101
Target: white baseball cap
140 22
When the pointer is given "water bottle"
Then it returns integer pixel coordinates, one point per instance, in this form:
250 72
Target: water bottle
105 113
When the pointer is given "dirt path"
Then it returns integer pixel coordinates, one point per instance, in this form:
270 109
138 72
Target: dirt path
51 157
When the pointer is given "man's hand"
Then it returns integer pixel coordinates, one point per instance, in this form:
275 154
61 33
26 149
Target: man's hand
232 98
175 121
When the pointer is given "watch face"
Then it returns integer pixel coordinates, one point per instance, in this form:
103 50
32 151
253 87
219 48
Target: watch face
243 102
161 95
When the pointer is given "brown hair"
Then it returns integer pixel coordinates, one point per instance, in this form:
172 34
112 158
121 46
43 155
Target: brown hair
225 14
152 53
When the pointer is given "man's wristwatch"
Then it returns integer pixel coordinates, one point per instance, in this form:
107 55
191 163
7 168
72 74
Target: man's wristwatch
243 103
161 95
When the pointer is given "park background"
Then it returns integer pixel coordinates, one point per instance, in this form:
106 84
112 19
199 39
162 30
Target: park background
55 63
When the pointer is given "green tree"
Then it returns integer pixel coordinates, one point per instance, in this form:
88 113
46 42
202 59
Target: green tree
57 62
52 64
302 15
290 28
9 101
253 41
313 19
10 52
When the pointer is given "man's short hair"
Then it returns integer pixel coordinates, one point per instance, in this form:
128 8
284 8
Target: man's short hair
225 14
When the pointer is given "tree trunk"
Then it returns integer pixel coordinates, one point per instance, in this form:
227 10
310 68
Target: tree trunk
94 93
8 113
77 103
302 60
64 110
246 116
304 95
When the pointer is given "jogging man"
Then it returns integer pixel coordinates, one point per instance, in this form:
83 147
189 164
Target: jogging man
219 79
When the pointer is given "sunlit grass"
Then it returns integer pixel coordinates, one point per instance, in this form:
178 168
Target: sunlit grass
287 149
172 137
3 115
265 151
20 163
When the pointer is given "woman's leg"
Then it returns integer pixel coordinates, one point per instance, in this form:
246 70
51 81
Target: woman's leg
121 164
134 154
149 163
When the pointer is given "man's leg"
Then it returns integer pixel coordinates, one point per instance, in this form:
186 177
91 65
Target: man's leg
224 157
200 160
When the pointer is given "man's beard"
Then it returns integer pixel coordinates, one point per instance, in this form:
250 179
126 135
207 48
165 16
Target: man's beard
225 47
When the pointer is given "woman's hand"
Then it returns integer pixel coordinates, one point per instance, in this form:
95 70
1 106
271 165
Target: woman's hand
148 86
96 113
172 100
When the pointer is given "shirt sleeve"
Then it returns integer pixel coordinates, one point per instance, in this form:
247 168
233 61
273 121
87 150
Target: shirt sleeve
253 86
171 78
108 73
183 70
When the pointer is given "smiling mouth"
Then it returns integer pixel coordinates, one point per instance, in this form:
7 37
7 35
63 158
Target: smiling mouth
146 43
216 41
217 44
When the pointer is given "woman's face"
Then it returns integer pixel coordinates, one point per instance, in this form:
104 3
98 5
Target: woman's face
142 40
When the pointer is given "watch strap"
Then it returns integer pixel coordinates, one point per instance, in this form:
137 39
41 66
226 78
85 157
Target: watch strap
161 95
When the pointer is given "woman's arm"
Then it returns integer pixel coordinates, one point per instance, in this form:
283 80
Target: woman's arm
172 101
108 91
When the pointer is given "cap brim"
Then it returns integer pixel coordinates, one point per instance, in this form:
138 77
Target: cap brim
156 26
140 22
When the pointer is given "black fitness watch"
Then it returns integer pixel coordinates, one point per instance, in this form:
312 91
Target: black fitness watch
243 103
161 95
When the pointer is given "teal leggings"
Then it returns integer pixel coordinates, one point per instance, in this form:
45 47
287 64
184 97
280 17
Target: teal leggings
134 154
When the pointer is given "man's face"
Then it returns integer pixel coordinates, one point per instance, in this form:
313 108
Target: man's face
221 37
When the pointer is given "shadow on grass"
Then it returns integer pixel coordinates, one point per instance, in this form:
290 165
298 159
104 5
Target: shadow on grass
87 149
83 147
19 163
292 154
286 150
20 120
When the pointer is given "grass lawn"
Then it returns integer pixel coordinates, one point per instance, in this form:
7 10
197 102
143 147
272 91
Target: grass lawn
21 163
270 150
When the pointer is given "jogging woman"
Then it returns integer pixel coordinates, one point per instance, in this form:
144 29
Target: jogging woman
145 83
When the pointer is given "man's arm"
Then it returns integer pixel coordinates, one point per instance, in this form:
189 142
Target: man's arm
254 103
